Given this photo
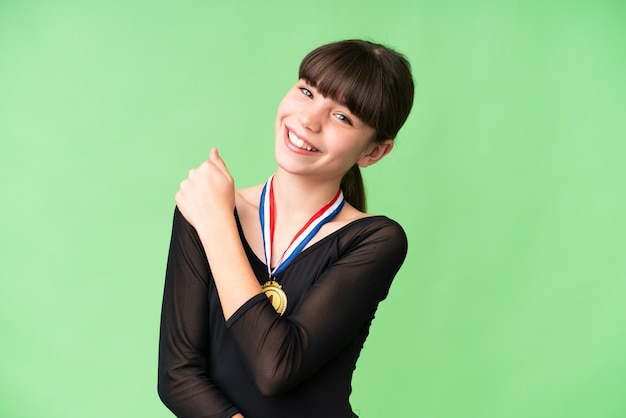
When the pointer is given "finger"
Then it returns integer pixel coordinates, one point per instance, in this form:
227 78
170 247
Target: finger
213 154
217 160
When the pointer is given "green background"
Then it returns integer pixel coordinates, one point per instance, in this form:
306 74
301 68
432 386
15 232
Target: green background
508 177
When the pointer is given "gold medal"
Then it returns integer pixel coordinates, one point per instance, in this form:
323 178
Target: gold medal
277 296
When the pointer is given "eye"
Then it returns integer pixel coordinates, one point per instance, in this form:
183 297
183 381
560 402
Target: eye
343 118
306 92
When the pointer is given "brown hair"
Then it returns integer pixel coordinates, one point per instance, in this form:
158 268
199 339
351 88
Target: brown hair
376 84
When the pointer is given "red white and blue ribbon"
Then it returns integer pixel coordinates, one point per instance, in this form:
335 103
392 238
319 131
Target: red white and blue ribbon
267 215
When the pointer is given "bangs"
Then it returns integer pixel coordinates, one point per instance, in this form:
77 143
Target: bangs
353 76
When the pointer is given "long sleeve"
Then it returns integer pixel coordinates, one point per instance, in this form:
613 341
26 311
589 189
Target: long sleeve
282 352
184 384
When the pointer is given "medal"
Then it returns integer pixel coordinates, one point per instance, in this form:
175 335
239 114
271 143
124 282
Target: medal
277 296
272 288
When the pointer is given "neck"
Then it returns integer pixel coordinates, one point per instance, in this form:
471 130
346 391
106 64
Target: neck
298 197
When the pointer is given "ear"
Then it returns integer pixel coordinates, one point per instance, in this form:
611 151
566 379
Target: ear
375 152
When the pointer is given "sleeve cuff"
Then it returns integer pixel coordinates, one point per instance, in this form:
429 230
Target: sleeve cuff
243 308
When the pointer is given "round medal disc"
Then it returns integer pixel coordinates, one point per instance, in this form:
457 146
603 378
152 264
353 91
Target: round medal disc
277 296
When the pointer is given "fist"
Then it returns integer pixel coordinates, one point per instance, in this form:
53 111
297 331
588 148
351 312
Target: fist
207 194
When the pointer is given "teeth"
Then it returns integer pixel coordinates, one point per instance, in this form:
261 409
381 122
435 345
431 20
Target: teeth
298 142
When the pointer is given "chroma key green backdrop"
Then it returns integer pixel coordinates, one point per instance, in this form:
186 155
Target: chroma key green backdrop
509 178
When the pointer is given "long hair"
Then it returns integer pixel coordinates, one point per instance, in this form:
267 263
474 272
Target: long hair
376 84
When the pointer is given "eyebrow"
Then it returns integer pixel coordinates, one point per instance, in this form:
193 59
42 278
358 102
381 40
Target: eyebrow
339 102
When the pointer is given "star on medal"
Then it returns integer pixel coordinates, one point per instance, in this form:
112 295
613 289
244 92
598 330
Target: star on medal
277 296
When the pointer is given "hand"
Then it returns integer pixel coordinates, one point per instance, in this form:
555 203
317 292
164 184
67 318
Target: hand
237 416
208 193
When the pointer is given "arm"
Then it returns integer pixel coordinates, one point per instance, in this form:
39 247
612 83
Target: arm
280 351
207 201
184 385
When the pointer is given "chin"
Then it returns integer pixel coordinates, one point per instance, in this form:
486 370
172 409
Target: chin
288 164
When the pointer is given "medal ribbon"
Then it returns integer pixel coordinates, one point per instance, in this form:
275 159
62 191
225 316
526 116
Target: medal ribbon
267 215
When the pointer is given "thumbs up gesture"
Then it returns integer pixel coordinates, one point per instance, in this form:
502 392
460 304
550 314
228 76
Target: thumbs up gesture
207 195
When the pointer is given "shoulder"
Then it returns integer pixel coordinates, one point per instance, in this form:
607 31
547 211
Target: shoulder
247 200
360 221
247 208
376 246
381 225
248 196
377 231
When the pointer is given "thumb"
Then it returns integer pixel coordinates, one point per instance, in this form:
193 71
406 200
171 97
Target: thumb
214 154
215 158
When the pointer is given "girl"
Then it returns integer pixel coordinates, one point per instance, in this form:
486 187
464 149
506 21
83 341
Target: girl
270 290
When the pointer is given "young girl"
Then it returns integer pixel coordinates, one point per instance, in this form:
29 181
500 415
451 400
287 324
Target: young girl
270 290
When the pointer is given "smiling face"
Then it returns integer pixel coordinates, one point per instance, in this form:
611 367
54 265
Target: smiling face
319 136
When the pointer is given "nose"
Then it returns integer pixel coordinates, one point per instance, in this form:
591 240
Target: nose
310 117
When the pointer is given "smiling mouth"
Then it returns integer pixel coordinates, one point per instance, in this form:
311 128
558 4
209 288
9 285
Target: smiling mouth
297 142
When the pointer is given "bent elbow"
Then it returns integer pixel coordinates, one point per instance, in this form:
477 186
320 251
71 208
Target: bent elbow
270 388
165 389
164 392
272 384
